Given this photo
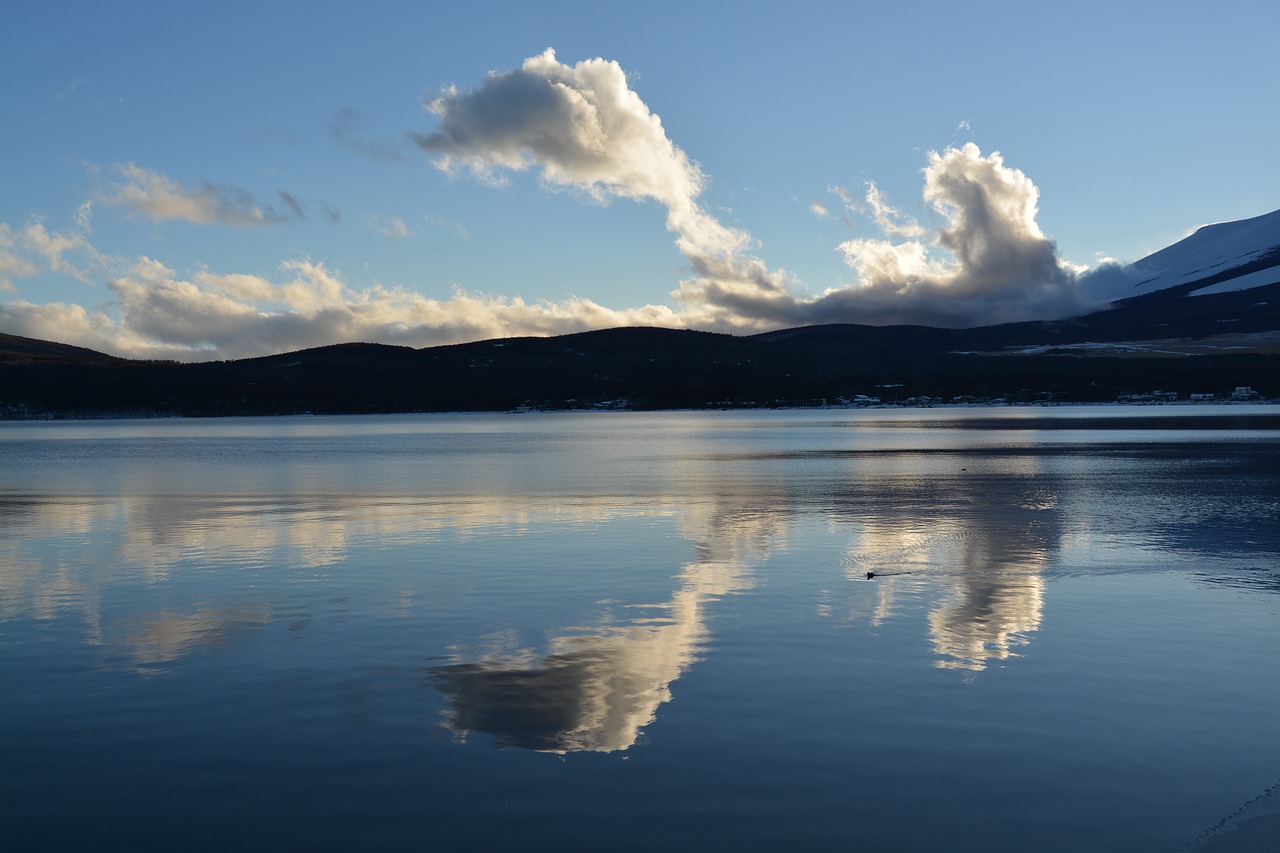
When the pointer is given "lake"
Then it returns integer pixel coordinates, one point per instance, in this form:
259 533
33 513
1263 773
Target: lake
1008 629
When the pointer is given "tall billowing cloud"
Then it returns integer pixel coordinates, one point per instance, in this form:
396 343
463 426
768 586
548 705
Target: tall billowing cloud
988 261
585 129
582 125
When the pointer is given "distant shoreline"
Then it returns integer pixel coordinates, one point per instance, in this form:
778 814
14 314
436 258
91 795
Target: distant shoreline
1175 404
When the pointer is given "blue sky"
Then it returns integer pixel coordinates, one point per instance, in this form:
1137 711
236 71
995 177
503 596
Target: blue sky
205 180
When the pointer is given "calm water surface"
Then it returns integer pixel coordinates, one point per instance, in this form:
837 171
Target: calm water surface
635 631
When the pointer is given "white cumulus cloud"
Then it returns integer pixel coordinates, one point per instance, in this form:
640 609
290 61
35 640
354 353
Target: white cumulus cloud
979 258
988 261
33 250
584 129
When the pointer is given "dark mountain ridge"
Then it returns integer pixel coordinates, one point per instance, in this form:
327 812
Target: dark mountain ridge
1214 327
648 368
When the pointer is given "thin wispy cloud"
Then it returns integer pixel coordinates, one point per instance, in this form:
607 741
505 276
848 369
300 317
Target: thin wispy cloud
348 129
72 87
160 198
888 219
391 227
435 220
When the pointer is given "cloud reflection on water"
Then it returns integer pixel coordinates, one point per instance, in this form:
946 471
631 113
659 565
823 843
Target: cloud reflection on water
592 691
588 689
160 638
973 541
984 538
996 599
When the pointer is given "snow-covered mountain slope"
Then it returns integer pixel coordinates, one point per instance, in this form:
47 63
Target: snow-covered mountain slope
1217 258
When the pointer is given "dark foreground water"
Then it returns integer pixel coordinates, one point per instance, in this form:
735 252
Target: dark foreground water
640 631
